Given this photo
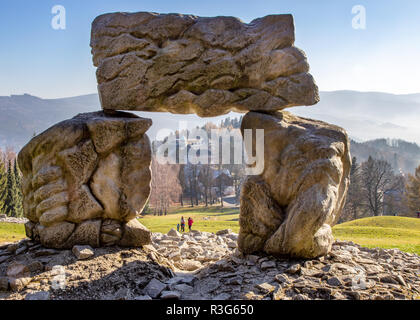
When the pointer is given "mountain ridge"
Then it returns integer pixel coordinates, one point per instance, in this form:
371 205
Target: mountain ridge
367 116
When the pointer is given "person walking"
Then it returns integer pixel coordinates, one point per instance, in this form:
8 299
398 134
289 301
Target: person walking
182 224
190 222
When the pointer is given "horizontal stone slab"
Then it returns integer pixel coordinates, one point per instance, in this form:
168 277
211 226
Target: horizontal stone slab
208 66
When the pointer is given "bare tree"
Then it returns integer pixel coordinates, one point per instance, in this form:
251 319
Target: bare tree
166 188
394 197
182 182
376 178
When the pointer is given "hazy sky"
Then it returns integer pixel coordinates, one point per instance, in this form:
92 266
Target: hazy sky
36 59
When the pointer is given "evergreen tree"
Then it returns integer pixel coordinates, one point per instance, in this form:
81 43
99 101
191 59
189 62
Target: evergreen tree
3 187
18 191
413 191
10 208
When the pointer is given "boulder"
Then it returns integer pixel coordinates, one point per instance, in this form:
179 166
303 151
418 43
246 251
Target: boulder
174 233
135 234
80 180
290 207
86 233
83 252
209 66
19 283
40 295
154 288
166 295
190 265
265 288
18 270
223 232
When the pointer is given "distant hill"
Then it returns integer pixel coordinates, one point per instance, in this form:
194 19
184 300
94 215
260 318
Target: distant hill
365 115
22 116
402 155
369 115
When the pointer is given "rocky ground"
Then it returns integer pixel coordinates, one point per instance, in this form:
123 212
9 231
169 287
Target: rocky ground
202 265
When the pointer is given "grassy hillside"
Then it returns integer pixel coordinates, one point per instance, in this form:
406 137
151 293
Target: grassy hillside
384 232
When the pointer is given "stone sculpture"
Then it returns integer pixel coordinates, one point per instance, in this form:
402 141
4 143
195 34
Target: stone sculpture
78 177
289 209
208 66
85 179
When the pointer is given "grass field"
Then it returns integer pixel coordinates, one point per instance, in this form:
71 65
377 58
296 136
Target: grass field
383 232
217 219
10 232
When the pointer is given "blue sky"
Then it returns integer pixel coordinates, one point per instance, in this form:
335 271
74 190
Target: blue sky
36 59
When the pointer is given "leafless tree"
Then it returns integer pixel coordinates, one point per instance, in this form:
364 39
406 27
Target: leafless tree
376 179
165 186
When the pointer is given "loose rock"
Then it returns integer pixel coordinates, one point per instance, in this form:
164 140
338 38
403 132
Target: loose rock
155 288
83 252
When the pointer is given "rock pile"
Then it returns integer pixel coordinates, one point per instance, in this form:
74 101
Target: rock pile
196 249
29 271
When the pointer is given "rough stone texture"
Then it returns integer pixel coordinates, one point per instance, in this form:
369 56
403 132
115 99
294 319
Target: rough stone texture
208 66
85 179
83 252
289 209
135 234
154 288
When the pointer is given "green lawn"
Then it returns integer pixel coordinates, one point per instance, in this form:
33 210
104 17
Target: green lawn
10 232
382 232
217 219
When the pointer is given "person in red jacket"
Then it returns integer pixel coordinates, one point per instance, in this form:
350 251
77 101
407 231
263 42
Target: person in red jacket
190 222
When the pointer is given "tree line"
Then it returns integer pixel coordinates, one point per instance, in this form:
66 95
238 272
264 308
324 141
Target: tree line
375 187
375 190
10 185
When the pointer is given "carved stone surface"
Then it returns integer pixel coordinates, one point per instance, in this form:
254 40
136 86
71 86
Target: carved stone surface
208 66
290 208
85 179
